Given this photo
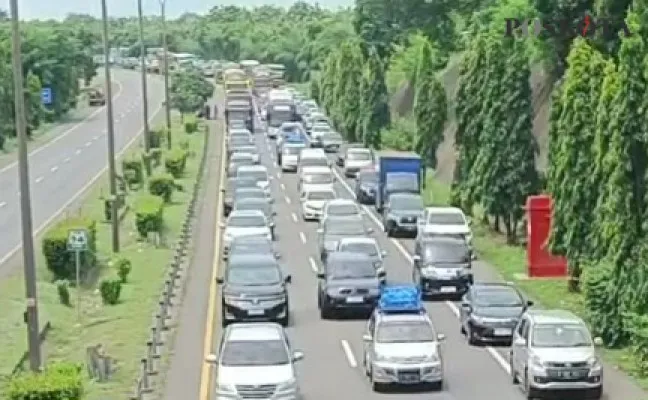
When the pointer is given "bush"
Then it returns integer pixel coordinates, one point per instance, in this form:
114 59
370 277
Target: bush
155 155
175 162
156 138
110 291
124 268
149 211
162 185
58 259
133 170
63 290
191 127
400 136
61 381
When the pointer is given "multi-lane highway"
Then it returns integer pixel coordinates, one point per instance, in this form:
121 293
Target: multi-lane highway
332 367
62 169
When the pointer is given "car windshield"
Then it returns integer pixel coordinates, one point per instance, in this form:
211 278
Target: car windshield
361 247
406 202
404 332
242 136
446 253
239 158
497 297
238 114
368 177
441 218
351 269
277 118
237 142
256 175
292 150
246 221
333 137
244 353
343 209
402 183
359 155
252 247
253 205
314 162
347 227
321 128
560 335
319 178
253 276
320 195
249 194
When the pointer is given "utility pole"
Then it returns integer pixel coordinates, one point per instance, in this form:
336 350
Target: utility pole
114 205
167 103
29 263
147 143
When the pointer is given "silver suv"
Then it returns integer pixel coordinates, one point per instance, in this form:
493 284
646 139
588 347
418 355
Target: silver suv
256 362
553 351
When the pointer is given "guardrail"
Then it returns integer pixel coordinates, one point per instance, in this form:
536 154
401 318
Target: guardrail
150 363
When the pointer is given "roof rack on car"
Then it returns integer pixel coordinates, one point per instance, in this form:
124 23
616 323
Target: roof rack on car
401 299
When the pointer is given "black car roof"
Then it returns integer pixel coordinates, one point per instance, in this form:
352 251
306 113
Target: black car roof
340 256
253 259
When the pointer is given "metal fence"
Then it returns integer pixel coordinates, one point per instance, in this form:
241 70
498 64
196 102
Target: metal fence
150 362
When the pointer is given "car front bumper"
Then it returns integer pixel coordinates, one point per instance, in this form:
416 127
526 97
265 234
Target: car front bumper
406 374
458 286
270 311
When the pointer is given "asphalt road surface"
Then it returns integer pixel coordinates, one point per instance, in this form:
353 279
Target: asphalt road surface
332 367
62 169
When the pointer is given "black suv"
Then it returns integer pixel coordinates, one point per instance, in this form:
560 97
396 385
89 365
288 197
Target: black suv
254 289
443 266
401 214
365 186
348 282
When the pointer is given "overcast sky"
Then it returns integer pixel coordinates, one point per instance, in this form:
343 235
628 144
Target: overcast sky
43 9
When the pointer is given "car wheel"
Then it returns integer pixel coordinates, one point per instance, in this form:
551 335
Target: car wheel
325 313
472 339
528 391
462 329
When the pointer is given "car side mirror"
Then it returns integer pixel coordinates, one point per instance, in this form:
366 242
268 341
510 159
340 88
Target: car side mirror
222 225
473 256
598 342
416 258
288 278
298 356
529 303
370 230
320 231
382 274
466 307
222 190
383 253
211 359
520 342
367 338
272 224
220 281
277 254
441 337
321 275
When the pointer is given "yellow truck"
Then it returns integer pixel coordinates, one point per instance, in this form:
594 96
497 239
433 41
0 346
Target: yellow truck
235 78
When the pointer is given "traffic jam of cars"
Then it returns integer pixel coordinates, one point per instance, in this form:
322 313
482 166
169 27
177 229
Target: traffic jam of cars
322 238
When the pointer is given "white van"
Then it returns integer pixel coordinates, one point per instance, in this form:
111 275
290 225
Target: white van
313 158
290 156
311 178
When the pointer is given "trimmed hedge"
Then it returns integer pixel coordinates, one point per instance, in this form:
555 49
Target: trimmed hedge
59 260
191 127
133 170
157 137
61 381
149 214
175 161
110 290
162 185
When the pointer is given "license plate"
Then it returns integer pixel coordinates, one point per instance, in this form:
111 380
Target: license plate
409 378
503 332
448 289
571 375
255 312
355 299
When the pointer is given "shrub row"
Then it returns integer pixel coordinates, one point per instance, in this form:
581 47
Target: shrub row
149 214
58 259
133 169
191 126
62 381
175 161
162 185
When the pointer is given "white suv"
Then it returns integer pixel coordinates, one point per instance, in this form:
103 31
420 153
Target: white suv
256 361
440 221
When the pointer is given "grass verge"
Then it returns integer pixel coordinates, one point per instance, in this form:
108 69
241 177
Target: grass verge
122 329
510 263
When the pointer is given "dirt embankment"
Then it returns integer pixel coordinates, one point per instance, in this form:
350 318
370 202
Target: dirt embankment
402 102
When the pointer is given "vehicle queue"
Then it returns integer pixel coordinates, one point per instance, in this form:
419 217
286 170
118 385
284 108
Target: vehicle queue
550 350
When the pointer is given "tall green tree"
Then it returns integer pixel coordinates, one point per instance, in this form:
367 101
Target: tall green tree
328 82
346 113
504 172
374 102
571 164
430 107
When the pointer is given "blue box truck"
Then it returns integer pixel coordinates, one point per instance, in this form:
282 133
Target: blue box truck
398 172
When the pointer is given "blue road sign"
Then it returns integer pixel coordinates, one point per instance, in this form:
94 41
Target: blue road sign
46 96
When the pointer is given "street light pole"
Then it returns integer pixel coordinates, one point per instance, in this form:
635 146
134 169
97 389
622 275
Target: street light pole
167 103
114 205
147 143
29 263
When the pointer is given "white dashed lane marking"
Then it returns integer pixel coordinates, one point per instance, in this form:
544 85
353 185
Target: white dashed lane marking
88 144
346 347
67 160
39 179
77 152
302 237
294 217
287 199
54 168
313 264
3 203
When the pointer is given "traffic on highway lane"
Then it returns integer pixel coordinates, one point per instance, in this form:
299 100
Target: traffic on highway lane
337 281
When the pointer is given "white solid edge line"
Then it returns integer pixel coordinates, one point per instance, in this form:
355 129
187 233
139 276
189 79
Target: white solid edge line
313 264
349 353
294 217
302 237
81 191
65 133
453 308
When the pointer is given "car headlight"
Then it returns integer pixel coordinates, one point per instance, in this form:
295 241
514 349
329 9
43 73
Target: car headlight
537 363
225 389
380 357
594 362
433 358
429 271
288 386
